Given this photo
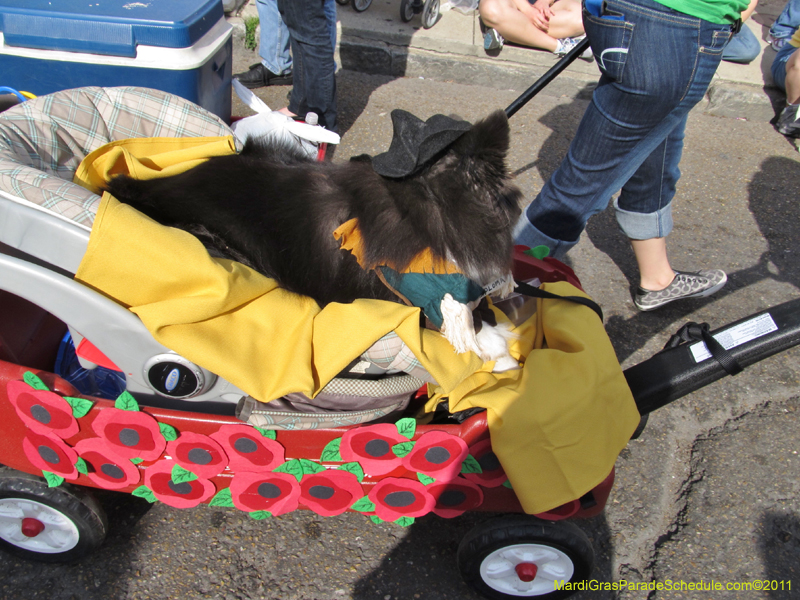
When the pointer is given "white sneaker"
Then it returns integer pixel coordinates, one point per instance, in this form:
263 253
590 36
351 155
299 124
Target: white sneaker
566 44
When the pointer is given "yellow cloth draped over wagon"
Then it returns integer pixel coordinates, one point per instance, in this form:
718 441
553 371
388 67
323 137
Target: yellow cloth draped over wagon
557 425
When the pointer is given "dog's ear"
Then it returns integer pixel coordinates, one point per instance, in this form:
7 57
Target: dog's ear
487 142
492 133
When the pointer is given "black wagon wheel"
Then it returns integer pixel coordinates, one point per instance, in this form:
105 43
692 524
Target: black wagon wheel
361 5
407 10
54 525
430 13
342 2
524 557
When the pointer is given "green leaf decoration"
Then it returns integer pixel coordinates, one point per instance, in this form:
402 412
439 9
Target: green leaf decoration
260 515
126 402
267 433
405 521
310 467
355 469
375 519
406 427
471 465
507 484
539 252
292 467
363 505
330 453
144 492
52 479
81 466
181 475
137 460
425 479
403 448
168 431
80 406
33 381
222 498
299 467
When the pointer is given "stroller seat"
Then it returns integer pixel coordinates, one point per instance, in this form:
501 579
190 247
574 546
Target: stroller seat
45 222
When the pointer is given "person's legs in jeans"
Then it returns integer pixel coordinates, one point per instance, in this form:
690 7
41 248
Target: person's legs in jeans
744 47
274 43
275 67
650 82
314 70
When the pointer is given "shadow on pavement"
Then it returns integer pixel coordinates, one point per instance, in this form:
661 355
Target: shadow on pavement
424 563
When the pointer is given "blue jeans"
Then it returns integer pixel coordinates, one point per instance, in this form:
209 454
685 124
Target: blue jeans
314 84
656 64
787 21
274 46
274 43
779 65
744 47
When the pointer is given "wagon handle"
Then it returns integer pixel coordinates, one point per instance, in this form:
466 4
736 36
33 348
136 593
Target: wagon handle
545 79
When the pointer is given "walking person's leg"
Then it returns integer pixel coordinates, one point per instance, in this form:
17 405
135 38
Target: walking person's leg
314 70
275 67
635 121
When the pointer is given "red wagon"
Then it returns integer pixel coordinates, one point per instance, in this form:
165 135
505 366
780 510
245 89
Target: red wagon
178 433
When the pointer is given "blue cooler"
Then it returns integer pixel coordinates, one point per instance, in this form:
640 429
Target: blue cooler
179 46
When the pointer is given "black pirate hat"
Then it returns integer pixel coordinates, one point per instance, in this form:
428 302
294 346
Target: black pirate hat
415 142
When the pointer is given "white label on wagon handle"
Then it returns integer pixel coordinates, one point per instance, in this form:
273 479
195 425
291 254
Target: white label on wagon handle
737 335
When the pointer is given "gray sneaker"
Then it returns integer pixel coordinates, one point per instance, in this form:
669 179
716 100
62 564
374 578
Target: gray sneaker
685 285
493 40
789 122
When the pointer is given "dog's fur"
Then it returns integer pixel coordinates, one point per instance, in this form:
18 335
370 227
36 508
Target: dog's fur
275 210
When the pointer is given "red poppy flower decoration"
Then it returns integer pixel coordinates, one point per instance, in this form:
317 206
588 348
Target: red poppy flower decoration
186 494
277 493
492 474
199 454
371 447
396 497
247 449
49 453
329 493
107 470
438 455
131 434
454 498
42 411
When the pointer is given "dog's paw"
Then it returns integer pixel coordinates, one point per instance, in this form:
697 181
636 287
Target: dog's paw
457 326
493 346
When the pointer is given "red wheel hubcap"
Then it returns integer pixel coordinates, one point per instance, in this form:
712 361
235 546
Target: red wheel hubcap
526 571
32 527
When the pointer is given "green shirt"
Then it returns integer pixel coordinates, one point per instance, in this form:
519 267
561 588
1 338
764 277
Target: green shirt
716 11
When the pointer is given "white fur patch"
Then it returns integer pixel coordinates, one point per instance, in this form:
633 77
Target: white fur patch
457 325
493 344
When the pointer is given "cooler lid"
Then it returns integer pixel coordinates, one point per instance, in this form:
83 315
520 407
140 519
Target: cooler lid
110 27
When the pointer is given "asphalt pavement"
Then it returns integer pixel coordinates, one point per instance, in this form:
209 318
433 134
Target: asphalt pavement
708 494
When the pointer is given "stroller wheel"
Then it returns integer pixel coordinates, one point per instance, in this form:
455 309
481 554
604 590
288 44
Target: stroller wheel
524 557
361 5
430 14
407 10
37 522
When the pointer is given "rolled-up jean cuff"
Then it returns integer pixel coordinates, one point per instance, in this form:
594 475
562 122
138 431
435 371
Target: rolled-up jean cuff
526 234
644 226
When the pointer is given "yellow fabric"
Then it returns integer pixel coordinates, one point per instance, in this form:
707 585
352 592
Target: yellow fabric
145 158
424 262
557 425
